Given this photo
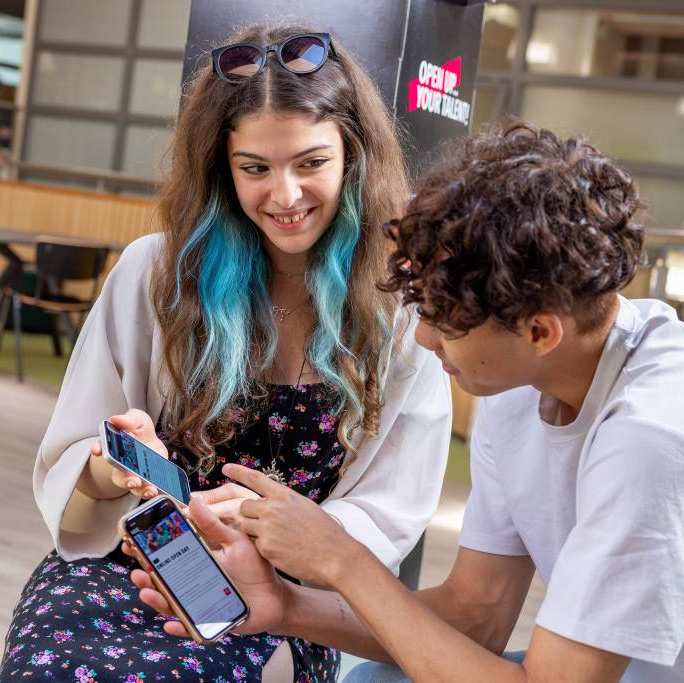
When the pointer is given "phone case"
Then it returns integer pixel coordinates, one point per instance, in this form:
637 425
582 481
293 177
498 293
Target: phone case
115 463
159 584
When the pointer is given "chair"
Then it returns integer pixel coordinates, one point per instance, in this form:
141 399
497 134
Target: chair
57 260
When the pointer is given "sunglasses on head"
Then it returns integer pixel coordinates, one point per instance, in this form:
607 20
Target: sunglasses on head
301 54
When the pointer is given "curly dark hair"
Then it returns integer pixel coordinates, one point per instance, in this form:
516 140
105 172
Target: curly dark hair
517 221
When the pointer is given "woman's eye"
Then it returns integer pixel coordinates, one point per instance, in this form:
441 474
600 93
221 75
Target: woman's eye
315 163
254 169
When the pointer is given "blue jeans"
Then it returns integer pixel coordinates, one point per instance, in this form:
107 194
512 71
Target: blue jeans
375 672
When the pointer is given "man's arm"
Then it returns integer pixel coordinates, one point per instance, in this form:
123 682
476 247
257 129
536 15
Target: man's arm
481 598
427 648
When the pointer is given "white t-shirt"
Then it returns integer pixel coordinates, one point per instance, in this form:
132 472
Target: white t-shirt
598 504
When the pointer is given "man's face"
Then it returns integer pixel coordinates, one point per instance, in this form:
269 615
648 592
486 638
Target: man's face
486 360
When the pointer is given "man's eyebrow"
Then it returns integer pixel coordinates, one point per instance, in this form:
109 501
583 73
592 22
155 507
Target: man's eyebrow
256 157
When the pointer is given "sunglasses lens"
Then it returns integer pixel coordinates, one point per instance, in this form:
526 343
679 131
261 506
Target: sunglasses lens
241 61
304 54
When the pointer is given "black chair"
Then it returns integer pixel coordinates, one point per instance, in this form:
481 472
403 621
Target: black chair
57 260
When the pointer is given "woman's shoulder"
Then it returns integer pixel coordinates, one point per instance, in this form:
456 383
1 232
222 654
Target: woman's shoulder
141 251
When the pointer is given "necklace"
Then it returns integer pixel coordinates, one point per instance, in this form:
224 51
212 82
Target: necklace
272 471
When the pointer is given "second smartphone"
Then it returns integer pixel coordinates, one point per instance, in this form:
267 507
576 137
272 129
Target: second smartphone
125 451
183 569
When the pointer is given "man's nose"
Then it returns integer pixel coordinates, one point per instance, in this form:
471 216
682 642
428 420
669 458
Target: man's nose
286 190
428 336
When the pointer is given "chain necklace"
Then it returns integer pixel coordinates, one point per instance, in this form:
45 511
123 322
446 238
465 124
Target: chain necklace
272 471
280 313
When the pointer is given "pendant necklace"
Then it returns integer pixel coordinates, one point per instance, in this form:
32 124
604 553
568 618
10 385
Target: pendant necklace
272 471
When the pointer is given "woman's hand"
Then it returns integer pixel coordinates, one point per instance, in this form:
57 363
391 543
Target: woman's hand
138 424
292 532
263 590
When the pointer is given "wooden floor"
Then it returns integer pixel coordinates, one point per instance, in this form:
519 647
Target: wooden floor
24 414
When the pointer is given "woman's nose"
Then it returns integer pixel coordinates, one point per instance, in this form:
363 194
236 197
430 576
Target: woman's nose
286 190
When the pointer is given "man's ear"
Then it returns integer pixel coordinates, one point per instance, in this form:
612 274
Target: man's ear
543 331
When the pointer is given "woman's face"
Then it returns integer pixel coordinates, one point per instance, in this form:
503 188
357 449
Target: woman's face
287 170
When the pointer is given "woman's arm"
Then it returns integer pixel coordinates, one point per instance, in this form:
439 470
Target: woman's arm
387 496
113 368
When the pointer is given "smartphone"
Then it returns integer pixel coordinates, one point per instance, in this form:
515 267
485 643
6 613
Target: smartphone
183 569
125 451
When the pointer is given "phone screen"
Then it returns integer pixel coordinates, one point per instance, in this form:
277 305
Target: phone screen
189 571
151 466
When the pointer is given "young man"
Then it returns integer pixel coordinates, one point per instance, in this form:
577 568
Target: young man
515 251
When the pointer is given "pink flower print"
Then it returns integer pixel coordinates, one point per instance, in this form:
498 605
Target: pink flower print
85 675
26 629
326 423
49 567
133 617
43 658
190 644
192 664
308 449
300 407
335 461
117 568
313 494
114 652
272 641
15 650
81 570
61 590
117 594
155 655
300 477
63 636
254 656
134 678
30 600
277 423
239 673
44 608
103 626
96 599
247 460
41 585
304 678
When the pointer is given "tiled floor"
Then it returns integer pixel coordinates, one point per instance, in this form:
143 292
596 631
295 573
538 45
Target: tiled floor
24 415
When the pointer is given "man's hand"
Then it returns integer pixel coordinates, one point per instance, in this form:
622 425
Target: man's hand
291 531
264 592
225 501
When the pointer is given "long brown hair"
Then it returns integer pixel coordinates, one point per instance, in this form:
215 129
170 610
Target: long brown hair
200 174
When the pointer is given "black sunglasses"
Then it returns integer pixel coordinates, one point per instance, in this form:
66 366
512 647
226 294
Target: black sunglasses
301 54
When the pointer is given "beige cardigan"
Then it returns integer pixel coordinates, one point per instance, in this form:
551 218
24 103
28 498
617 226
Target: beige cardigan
384 499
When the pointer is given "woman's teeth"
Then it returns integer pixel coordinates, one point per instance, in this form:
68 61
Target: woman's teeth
286 220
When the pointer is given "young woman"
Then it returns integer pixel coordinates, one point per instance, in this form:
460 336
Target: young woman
249 331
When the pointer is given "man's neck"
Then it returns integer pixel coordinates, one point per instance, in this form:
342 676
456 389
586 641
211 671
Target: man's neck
571 370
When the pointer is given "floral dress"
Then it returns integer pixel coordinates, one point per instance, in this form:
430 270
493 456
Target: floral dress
82 621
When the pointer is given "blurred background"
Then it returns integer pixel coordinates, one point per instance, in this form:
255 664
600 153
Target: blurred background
89 91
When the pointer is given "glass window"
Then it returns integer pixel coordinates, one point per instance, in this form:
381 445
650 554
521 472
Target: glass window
499 33
164 24
70 142
156 87
77 80
144 150
488 105
608 43
92 22
11 46
626 125
663 197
